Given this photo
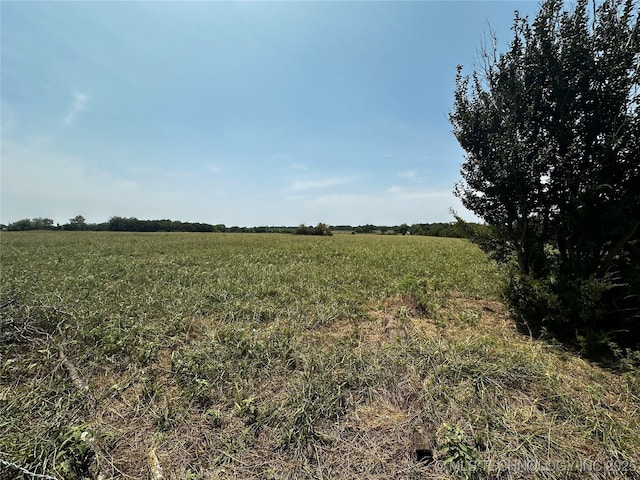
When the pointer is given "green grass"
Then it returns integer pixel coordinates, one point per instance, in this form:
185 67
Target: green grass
281 356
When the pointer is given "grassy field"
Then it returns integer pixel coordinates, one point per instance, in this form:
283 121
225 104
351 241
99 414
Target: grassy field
185 356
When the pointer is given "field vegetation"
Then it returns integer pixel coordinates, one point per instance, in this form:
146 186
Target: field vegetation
187 355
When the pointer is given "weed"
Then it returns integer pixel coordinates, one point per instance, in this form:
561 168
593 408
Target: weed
455 451
248 409
74 455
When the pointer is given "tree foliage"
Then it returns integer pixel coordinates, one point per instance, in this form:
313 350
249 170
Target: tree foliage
552 140
39 223
76 223
321 229
132 224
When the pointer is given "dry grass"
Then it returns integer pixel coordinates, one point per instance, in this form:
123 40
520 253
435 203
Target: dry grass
265 363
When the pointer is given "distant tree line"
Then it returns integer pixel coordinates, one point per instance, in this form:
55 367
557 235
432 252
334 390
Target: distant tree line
131 224
31 224
456 229
321 229
121 224
115 224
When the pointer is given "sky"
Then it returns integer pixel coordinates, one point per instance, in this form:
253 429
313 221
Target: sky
241 113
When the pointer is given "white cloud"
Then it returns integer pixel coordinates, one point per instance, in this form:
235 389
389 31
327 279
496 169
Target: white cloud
302 185
407 174
395 189
391 207
40 181
300 167
78 104
37 181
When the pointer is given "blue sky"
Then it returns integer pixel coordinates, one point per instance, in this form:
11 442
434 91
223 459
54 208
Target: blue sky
242 113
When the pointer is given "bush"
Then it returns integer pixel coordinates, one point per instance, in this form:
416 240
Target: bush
320 229
552 135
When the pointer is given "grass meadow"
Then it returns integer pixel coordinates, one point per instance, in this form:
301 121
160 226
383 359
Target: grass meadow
266 356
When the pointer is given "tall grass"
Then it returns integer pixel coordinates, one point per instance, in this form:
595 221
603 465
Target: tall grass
279 356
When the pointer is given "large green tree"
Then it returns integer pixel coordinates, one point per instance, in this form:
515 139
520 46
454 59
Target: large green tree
551 133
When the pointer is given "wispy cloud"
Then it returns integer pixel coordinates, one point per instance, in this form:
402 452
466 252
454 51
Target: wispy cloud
300 167
213 169
402 192
302 185
78 104
381 207
37 180
408 174
395 189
